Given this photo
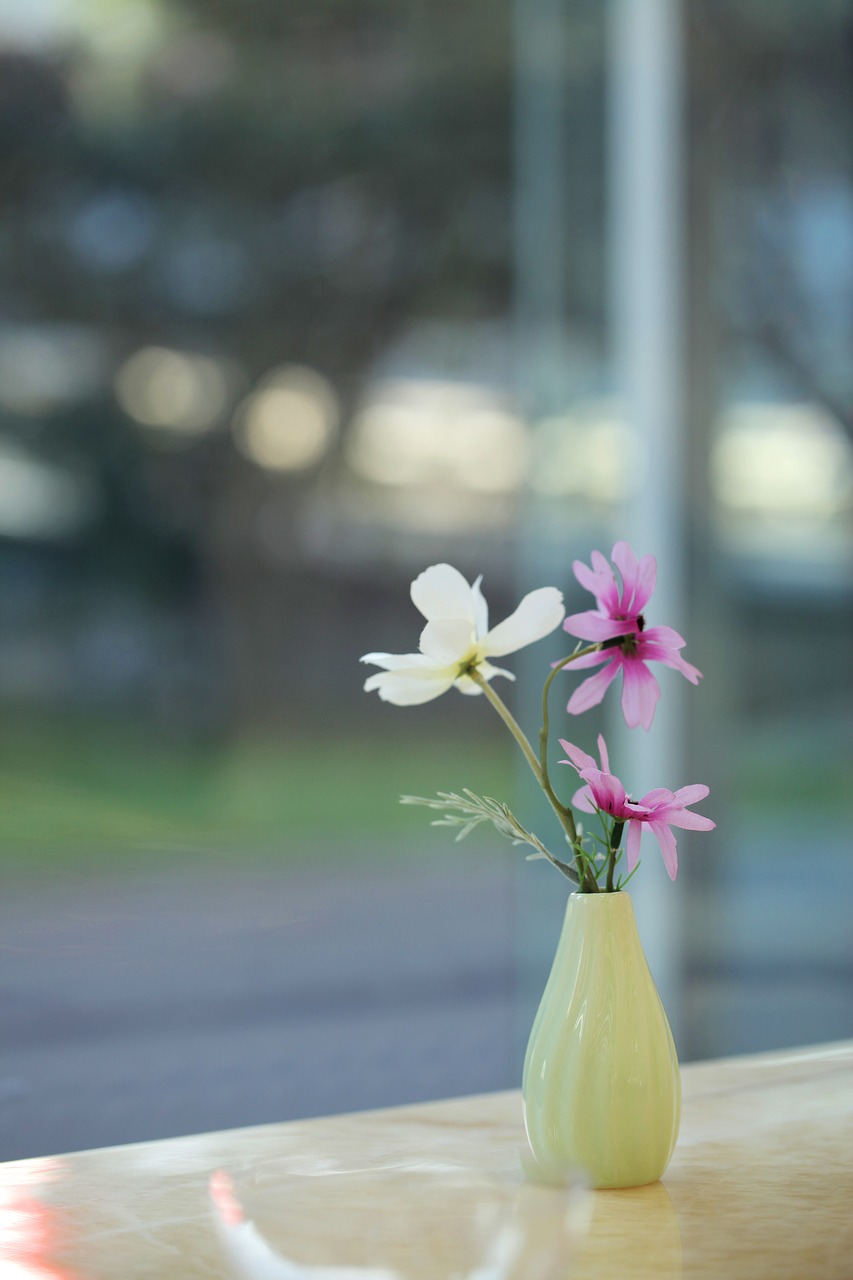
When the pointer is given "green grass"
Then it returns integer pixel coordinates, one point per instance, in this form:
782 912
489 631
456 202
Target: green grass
96 794
92 792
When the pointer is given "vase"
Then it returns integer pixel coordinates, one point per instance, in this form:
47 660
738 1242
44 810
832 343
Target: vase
601 1085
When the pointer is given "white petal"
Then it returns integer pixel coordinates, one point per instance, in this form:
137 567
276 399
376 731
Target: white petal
397 661
441 592
538 614
409 688
481 609
447 641
466 685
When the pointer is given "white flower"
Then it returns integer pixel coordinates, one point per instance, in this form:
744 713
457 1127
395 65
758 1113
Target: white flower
457 638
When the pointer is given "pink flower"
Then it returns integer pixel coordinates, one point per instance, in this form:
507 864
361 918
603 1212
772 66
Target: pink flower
603 789
659 809
667 809
620 625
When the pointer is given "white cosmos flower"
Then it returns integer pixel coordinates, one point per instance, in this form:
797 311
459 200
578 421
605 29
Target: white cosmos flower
457 638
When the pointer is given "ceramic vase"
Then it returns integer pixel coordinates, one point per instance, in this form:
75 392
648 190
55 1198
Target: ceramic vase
601 1086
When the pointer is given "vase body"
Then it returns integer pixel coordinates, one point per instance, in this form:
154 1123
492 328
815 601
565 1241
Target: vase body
601 1086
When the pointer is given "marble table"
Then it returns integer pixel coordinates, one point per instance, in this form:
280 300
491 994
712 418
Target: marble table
761 1184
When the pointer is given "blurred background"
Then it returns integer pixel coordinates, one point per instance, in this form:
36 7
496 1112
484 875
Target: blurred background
297 298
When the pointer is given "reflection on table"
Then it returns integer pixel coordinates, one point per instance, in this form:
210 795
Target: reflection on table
761 1184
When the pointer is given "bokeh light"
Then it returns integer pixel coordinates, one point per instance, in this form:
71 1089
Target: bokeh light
289 423
417 432
173 390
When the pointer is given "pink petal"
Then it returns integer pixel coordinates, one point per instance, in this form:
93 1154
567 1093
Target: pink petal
587 660
625 559
591 692
668 847
666 636
632 845
689 821
659 799
646 578
600 580
582 799
607 791
638 578
602 754
577 759
692 794
669 658
591 626
640 693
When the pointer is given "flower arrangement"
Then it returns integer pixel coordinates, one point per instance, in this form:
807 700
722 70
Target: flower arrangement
456 648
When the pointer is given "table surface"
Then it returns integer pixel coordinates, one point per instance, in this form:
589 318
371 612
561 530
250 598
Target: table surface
761 1184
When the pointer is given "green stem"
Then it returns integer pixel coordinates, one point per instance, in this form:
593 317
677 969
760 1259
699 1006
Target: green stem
564 815
544 731
615 841
544 776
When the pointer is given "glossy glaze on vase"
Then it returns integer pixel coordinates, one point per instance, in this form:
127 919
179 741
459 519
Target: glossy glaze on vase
602 1087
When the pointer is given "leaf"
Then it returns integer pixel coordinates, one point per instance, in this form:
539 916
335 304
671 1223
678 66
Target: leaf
468 810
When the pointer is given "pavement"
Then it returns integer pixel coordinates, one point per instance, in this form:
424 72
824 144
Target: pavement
186 1000
205 996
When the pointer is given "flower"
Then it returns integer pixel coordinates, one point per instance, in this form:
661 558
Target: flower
619 625
667 809
457 639
659 809
603 789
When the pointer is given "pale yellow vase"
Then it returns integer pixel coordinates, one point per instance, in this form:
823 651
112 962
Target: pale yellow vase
601 1087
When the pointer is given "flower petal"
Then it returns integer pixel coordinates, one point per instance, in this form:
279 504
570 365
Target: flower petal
632 844
666 636
586 660
466 685
578 759
640 693
607 791
668 847
692 794
670 658
582 799
602 754
689 821
481 609
447 640
408 688
593 689
396 661
591 626
638 578
536 616
441 592
600 580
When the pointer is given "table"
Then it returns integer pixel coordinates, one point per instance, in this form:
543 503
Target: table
761 1184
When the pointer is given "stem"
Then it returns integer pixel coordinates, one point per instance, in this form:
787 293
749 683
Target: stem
544 777
543 732
564 815
509 720
615 841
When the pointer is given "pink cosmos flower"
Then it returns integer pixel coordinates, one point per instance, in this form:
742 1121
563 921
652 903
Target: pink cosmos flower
619 623
659 809
603 789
